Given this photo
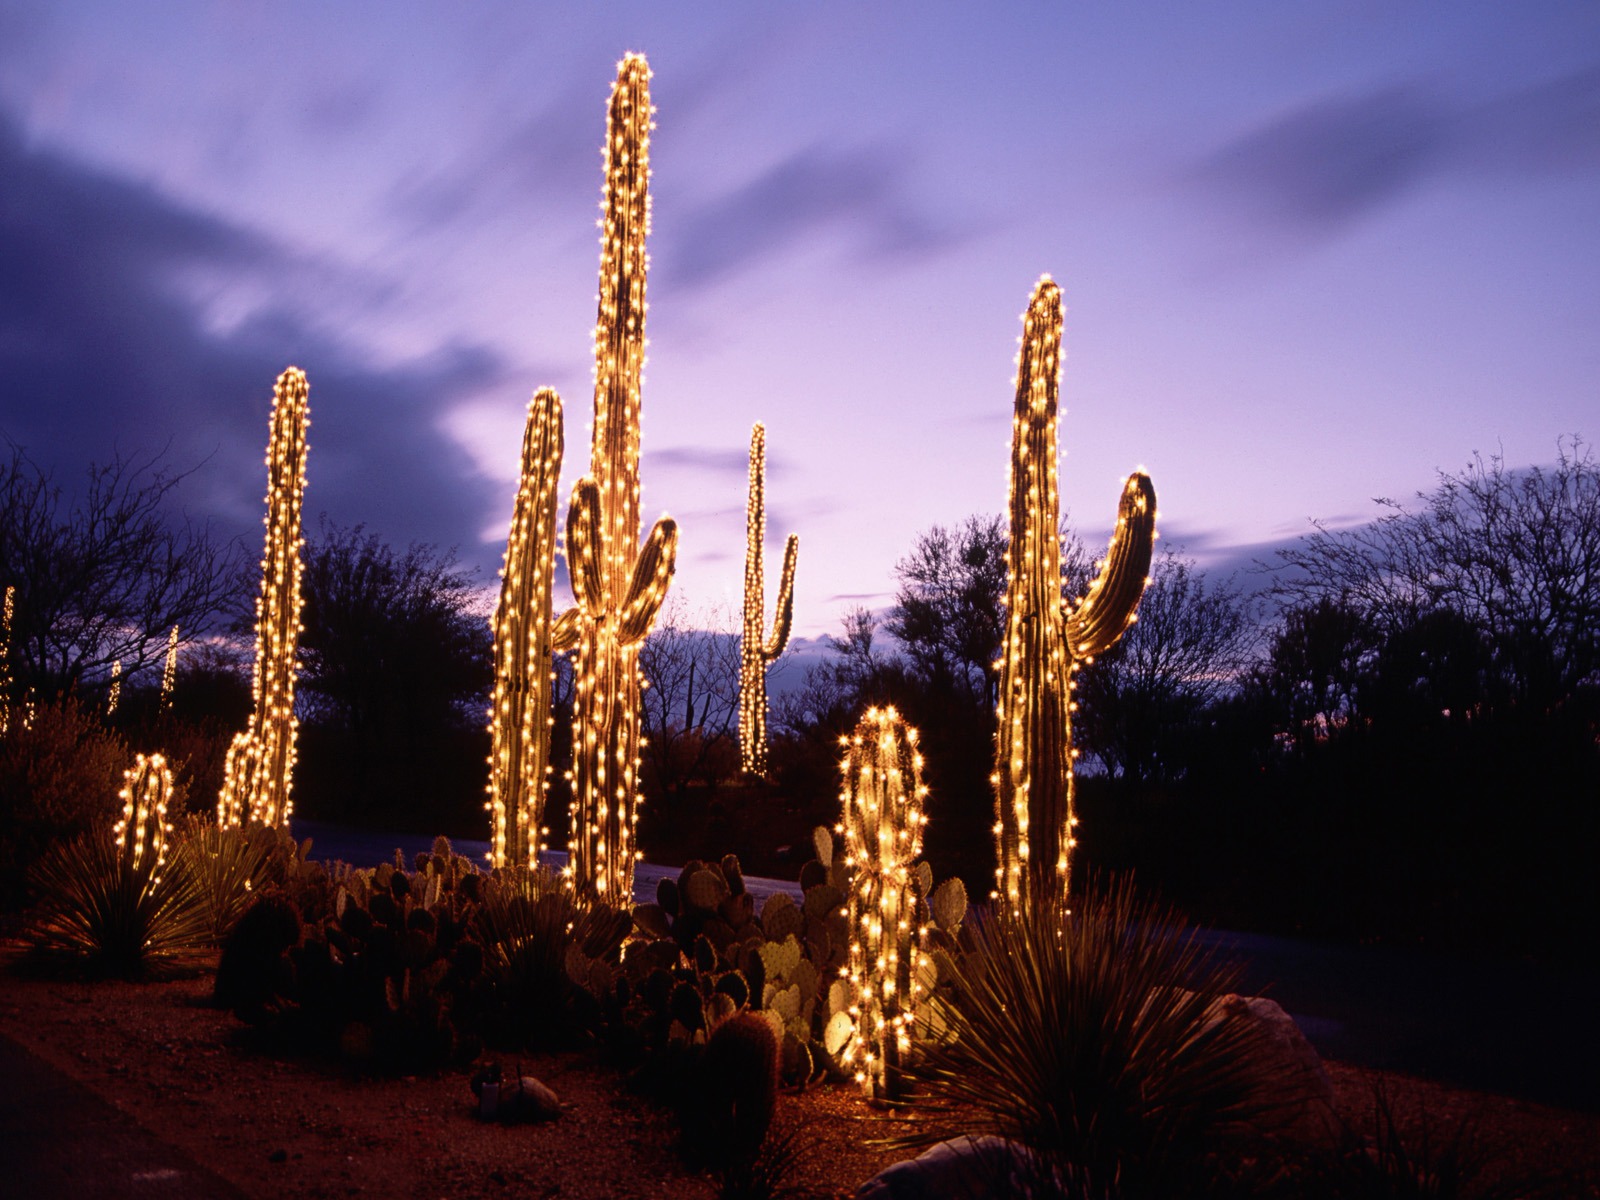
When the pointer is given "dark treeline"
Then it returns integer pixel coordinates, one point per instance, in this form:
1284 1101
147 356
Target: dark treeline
1392 736
1392 733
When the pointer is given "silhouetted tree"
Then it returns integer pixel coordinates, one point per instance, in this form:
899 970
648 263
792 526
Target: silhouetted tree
104 574
691 703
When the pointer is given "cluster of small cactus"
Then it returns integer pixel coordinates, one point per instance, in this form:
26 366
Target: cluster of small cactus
618 585
143 831
1046 637
520 713
259 770
756 649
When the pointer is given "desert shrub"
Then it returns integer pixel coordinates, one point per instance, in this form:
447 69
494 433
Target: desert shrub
253 971
60 769
232 865
1095 1047
101 915
540 947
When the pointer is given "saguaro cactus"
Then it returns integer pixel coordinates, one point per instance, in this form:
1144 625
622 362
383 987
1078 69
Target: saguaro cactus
169 671
520 719
6 614
883 819
1047 638
755 653
619 585
142 832
260 768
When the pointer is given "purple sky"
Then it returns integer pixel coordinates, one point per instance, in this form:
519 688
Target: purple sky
1311 253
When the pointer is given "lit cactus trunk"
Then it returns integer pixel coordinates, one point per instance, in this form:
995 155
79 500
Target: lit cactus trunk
6 614
619 585
883 819
1046 639
520 718
169 671
262 775
142 833
757 652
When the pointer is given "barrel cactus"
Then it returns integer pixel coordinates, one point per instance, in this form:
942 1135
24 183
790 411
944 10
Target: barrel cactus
1047 638
883 820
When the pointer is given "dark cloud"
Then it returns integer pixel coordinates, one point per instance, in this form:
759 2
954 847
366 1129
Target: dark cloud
104 348
865 194
1329 163
700 459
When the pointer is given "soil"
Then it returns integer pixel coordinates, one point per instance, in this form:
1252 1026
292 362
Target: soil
156 1060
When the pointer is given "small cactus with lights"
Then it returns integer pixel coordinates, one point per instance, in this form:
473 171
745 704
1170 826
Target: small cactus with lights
169 670
1047 638
618 584
260 771
883 820
520 717
6 613
142 832
756 650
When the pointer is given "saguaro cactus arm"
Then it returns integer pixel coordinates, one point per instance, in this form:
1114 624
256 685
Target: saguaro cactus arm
1108 608
652 572
783 613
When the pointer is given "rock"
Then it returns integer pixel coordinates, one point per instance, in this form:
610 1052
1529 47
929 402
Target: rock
531 1101
964 1168
1299 1093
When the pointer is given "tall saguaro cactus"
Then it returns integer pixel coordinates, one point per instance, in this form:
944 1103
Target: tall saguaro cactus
619 585
756 653
7 612
883 799
260 763
520 719
1048 638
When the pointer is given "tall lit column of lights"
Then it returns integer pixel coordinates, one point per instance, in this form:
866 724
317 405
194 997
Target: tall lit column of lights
143 830
1047 638
519 720
169 672
882 796
5 659
259 773
115 694
619 584
755 654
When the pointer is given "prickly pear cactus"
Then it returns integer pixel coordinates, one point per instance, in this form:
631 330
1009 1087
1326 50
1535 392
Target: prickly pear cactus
1048 638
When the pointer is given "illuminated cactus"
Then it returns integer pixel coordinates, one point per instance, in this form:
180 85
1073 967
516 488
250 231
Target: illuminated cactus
754 653
169 672
5 660
619 585
883 820
1047 638
260 773
520 719
115 694
142 832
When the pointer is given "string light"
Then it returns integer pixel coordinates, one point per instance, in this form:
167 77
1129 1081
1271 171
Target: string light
519 723
143 830
169 672
259 770
755 654
882 798
1047 638
115 693
618 584
6 614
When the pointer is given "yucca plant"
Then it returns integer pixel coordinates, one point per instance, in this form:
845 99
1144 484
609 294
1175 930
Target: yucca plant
1092 1044
230 865
105 916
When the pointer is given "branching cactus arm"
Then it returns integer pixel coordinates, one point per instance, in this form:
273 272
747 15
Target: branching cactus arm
1110 604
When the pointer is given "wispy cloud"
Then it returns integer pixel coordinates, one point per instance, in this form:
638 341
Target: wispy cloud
1326 164
863 196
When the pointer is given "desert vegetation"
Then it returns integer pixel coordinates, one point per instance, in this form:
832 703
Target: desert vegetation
1331 754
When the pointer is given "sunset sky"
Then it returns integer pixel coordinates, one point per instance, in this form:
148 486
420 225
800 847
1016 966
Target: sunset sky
1311 253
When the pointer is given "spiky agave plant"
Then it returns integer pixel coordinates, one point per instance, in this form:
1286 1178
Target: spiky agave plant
111 903
757 651
1095 1045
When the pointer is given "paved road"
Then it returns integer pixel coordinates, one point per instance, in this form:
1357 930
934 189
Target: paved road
1512 1028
